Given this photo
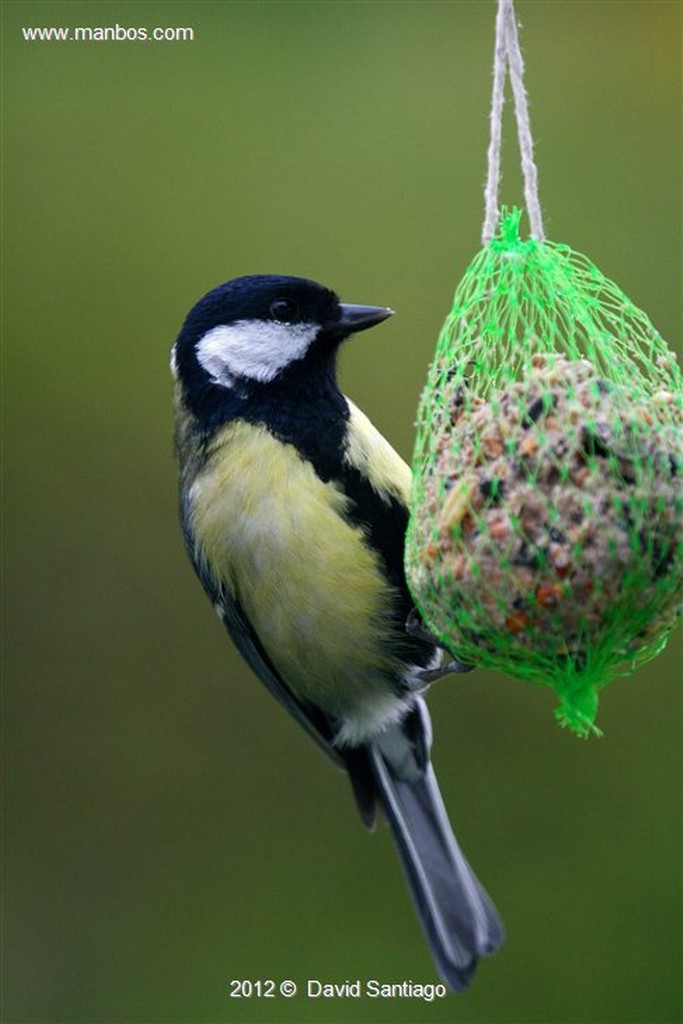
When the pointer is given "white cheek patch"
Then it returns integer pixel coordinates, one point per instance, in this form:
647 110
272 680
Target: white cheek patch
174 365
257 349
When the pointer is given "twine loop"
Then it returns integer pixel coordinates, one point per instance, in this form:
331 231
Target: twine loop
508 60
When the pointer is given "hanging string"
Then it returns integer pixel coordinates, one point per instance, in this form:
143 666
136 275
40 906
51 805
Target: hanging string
497 101
508 60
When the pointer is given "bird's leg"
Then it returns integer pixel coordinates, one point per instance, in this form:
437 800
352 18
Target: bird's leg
415 627
430 675
418 679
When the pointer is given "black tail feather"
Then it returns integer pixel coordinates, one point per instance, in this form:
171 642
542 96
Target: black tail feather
458 918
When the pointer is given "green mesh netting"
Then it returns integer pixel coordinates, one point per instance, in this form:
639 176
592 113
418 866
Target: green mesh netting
546 535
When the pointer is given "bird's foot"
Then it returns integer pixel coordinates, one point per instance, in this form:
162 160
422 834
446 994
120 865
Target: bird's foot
415 627
430 675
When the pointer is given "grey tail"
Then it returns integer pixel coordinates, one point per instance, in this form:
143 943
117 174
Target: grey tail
457 916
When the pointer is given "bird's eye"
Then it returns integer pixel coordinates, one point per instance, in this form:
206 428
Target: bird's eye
283 310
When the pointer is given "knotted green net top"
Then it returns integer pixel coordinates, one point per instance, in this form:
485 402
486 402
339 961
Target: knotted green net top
546 535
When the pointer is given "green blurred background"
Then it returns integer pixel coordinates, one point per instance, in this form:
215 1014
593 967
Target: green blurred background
167 827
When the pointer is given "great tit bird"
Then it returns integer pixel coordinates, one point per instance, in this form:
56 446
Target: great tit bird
294 510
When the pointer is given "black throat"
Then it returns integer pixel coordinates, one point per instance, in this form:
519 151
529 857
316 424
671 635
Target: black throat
303 406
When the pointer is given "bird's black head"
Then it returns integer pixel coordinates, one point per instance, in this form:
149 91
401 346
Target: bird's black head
251 331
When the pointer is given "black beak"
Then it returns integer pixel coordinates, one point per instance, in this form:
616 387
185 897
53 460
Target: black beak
358 318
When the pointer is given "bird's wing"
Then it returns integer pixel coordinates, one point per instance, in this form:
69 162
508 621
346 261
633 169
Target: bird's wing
248 644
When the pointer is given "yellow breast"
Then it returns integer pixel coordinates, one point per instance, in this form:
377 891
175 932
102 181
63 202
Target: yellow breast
277 537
